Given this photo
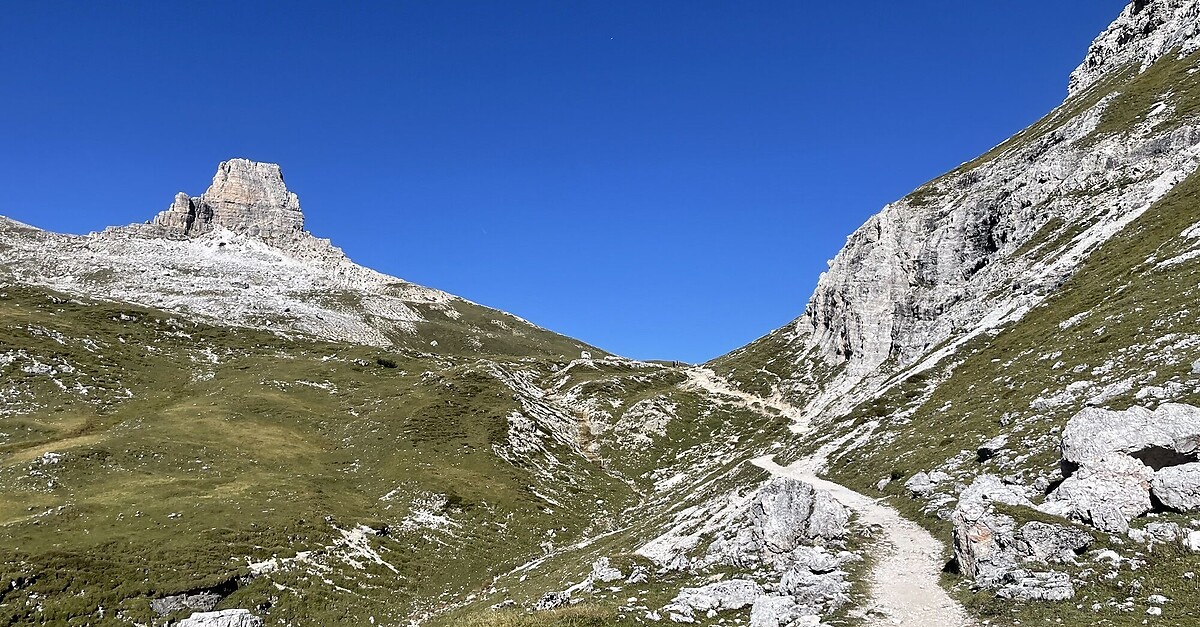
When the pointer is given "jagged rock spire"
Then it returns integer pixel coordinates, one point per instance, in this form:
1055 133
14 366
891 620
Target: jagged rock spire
245 197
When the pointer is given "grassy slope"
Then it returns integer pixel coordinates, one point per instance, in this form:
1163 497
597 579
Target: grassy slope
206 464
197 449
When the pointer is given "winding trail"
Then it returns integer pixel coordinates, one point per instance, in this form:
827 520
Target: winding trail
709 381
904 586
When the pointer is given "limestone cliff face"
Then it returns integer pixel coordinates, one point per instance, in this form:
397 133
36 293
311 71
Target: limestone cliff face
245 197
982 245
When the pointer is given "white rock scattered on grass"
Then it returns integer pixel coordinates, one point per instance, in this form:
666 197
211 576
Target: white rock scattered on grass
781 611
604 572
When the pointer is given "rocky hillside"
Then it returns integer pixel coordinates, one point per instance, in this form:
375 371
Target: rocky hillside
215 418
238 254
959 346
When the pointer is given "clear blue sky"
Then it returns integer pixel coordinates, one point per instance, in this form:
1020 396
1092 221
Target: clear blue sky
663 179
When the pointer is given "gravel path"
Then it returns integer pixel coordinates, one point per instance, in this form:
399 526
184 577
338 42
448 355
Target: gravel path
904 583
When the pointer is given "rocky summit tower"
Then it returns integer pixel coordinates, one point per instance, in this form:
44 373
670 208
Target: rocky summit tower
245 197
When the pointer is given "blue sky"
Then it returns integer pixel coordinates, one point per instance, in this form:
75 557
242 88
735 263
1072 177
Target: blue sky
662 179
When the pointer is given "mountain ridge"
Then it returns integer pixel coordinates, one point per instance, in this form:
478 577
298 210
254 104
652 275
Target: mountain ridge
239 254
950 367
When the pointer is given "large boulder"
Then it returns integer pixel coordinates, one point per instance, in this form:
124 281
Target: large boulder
224 618
990 548
1178 487
1167 436
782 517
1107 493
984 548
787 514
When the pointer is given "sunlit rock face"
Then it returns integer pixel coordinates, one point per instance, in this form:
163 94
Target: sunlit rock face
245 197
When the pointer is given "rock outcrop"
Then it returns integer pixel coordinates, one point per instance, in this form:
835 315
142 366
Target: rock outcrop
224 618
991 549
1116 460
246 197
1145 32
961 257
733 594
789 514
1167 436
788 535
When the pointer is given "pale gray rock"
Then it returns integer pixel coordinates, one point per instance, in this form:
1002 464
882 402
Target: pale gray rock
1178 487
1192 541
989 546
1021 585
1166 436
992 447
1107 493
986 489
245 197
920 484
224 618
1146 31
604 572
1051 543
203 602
638 574
1165 532
814 590
817 559
787 514
781 611
984 544
732 594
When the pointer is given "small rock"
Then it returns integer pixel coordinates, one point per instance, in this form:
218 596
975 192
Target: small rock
919 484
552 601
991 448
1040 586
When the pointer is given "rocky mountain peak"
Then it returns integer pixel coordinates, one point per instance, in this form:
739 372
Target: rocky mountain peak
1146 31
246 197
